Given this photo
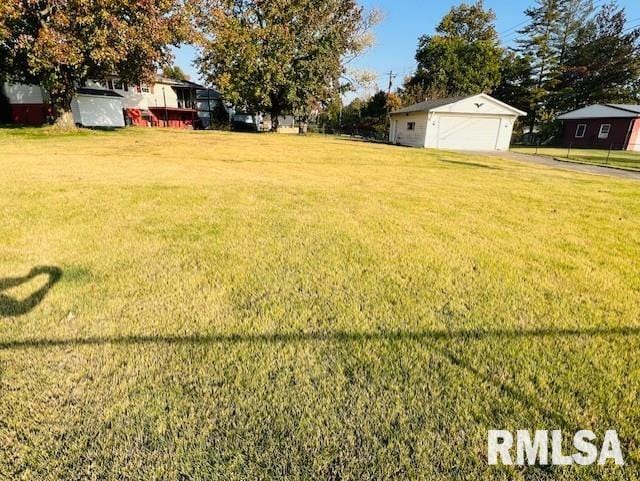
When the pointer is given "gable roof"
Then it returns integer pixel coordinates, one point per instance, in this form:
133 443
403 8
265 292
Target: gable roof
431 105
630 107
178 83
599 111
428 105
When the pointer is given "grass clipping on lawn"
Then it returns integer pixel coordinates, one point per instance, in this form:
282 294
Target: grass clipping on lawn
240 306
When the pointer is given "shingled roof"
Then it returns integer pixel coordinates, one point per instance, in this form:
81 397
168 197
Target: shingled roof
428 105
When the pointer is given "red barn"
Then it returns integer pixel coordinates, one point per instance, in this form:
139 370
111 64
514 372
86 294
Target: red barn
603 126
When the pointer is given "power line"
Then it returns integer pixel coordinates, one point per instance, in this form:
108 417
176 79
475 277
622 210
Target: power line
632 27
392 76
514 31
514 27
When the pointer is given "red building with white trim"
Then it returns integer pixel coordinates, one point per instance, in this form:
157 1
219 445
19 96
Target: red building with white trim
603 126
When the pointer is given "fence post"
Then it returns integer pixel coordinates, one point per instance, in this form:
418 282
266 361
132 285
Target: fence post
537 145
569 150
609 153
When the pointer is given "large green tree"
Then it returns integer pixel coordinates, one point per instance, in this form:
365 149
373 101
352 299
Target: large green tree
553 29
174 72
604 64
61 44
464 55
537 42
516 81
572 16
280 56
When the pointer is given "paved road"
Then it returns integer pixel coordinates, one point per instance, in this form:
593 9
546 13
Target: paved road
558 164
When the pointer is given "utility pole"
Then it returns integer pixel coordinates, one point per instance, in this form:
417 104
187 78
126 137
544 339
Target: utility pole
387 123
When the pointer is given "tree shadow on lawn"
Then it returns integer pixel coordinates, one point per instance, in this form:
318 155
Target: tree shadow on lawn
334 336
469 164
10 307
440 342
432 336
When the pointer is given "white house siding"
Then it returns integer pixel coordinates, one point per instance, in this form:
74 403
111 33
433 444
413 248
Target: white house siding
132 99
24 94
155 97
401 133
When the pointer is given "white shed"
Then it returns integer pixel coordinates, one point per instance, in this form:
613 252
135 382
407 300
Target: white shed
477 122
97 108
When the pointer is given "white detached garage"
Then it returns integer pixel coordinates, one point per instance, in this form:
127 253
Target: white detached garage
477 122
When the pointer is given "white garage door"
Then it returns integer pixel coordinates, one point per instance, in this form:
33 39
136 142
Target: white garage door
468 132
97 111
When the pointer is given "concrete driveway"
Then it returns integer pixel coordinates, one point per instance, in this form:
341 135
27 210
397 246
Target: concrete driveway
558 164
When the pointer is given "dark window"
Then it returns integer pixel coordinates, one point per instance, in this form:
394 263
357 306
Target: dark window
185 99
411 126
581 130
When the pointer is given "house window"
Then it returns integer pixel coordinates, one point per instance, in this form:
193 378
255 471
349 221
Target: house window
580 131
604 131
144 88
411 126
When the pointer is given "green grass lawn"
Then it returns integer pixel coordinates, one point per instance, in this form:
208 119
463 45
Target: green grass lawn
615 158
238 306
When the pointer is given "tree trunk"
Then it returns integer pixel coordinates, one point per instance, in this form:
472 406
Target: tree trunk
275 121
64 121
62 106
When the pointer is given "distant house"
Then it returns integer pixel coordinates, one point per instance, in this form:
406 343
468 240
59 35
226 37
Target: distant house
164 103
603 126
247 122
477 122
112 103
286 124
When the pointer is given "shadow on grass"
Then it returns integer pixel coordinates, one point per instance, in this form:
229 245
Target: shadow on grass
469 164
14 127
13 307
436 338
337 336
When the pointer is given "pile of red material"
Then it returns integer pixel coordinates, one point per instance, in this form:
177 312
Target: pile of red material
142 118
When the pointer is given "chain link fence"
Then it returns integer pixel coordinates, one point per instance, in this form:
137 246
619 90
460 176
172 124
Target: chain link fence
619 155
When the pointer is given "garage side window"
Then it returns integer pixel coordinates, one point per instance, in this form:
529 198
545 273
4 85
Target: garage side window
411 126
604 131
581 130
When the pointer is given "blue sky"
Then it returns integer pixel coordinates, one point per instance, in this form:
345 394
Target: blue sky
406 20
